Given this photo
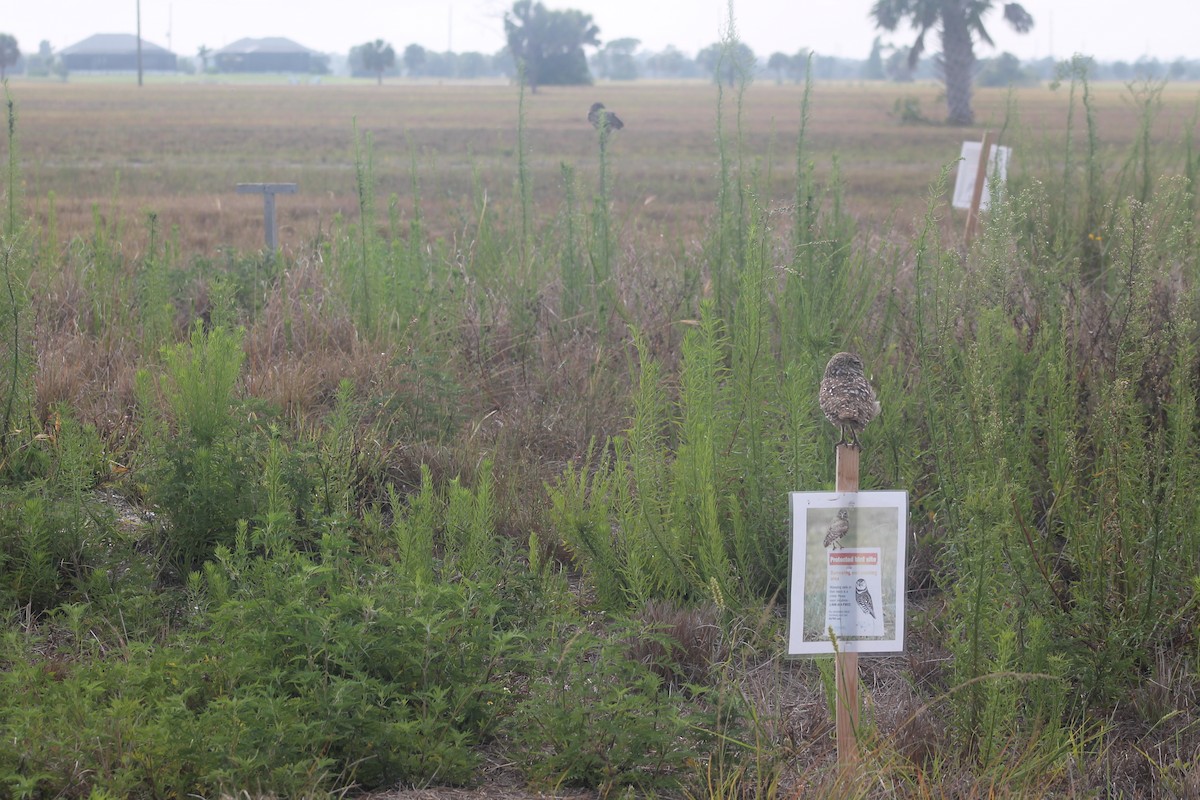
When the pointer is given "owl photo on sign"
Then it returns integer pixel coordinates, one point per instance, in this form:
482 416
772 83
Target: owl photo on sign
847 398
838 529
603 119
863 596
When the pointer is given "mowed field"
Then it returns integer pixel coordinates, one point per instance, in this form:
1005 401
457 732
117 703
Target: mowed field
179 150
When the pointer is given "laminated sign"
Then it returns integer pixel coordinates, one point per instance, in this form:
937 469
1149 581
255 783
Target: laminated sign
847 572
968 168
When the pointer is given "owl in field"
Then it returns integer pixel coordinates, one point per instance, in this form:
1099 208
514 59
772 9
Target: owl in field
847 399
838 528
863 596
602 118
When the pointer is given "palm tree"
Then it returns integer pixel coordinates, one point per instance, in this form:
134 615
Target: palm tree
959 22
9 52
550 43
779 63
378 56
415 57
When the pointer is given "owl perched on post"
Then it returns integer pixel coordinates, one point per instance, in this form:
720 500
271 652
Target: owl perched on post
599 116
838 529
847 399
863 596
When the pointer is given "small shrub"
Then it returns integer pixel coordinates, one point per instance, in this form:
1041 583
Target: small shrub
908 111
596 718
204 491
201 376
41 549
50 528
207 478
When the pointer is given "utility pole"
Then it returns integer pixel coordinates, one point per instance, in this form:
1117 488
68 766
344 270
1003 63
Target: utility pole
139 41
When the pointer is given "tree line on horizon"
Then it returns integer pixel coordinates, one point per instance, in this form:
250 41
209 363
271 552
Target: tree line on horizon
625 60
547 47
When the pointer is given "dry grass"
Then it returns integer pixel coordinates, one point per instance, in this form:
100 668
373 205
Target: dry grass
180 150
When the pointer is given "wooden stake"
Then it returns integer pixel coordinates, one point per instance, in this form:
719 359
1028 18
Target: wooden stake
846 664
981 171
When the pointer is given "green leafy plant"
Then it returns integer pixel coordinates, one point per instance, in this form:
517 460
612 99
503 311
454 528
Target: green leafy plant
908 111
207 479
595 718
368 683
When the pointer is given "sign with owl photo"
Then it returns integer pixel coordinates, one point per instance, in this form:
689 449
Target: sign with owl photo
847 572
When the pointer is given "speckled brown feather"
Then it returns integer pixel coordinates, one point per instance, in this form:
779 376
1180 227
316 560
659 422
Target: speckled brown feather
847 398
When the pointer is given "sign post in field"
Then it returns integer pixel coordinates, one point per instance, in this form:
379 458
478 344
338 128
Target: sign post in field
979 163
847 585
845 663
268 191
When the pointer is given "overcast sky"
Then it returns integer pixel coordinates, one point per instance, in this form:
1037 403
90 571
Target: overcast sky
1106 29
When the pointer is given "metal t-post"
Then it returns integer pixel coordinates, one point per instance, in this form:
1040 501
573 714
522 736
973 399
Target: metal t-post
268 191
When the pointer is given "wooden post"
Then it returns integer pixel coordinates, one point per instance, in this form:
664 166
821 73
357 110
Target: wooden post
981 171
846 664
268 191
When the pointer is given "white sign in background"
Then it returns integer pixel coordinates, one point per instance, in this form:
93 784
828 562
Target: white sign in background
968 168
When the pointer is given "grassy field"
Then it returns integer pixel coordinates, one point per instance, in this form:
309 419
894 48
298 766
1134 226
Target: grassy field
179 150
482 481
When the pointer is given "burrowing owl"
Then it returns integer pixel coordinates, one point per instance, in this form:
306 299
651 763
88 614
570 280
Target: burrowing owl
838 529
846 398
863 596
599 116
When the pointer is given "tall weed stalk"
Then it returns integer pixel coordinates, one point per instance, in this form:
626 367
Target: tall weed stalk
17 356
11 177
726 245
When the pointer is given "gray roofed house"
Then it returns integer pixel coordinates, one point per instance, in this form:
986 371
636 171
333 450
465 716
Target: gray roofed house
116 52
271 54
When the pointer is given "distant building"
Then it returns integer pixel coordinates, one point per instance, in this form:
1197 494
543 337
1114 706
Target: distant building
116 52
272 54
